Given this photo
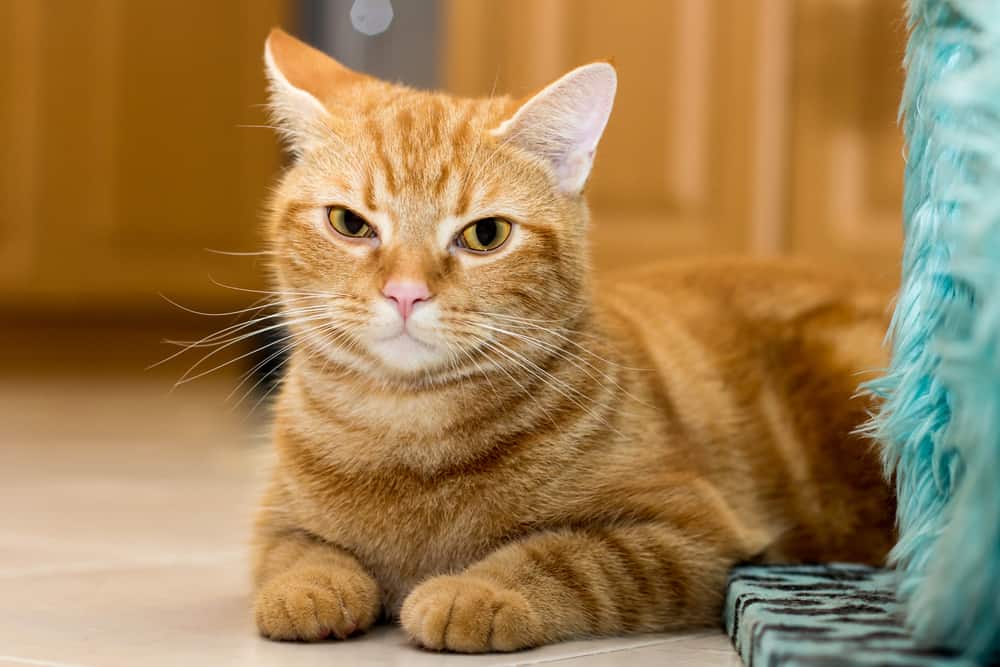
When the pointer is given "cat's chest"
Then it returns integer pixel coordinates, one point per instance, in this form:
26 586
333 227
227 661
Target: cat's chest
404 532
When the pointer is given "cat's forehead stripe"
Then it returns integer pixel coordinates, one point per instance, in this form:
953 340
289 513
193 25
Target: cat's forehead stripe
369 191
442 179
384 162
421 146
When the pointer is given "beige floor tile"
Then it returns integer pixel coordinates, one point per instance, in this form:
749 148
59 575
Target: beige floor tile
111 471
123 520
706 641
663 655
198 615
122 540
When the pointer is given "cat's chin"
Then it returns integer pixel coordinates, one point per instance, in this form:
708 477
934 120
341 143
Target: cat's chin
406 354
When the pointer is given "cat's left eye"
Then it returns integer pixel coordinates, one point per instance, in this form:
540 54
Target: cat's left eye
484 235
349 223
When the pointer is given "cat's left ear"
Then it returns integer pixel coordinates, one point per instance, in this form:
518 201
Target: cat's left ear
564 122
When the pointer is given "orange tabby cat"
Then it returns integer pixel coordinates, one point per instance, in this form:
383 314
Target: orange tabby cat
477 440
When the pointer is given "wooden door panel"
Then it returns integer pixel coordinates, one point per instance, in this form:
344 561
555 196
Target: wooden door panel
672 173
128 153
18 130
847 161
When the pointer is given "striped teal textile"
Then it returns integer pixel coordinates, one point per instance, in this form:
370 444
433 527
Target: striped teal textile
822 616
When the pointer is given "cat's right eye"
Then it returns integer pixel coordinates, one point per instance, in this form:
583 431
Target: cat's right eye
348 223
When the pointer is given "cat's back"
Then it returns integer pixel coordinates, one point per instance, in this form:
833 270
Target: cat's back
758 362
738 304
761 289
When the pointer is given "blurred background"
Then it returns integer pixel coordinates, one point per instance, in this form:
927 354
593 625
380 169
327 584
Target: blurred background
131 157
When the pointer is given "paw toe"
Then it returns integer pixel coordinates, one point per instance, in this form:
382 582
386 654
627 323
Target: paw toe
309 606
468 615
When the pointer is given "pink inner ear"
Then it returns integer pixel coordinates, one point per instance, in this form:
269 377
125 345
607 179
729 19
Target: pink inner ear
564 122
591 131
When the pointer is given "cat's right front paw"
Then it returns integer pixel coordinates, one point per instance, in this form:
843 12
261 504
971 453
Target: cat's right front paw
310 604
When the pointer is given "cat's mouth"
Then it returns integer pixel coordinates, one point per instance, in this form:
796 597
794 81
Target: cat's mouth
404 337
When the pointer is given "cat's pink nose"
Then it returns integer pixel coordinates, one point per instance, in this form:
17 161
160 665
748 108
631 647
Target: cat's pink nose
406 294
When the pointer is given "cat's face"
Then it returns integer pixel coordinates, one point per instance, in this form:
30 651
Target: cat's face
419 236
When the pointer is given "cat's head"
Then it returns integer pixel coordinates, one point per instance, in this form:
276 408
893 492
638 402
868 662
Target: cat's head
418 235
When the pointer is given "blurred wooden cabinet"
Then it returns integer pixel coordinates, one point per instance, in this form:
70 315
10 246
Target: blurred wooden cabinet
763 126
124 152
846 163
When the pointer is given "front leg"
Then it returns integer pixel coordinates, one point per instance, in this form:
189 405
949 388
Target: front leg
308 590
558 585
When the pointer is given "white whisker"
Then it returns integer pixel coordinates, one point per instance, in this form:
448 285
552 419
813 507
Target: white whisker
563 337
275 292
231 253
219 336
329 326
252 308
187 377
568 356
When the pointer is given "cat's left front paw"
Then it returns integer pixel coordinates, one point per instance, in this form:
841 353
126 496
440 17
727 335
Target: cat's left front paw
469 615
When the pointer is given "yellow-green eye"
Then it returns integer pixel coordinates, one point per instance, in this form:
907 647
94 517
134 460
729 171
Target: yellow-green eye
485 235
349 223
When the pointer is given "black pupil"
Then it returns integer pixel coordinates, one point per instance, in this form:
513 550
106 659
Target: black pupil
486 231
353 222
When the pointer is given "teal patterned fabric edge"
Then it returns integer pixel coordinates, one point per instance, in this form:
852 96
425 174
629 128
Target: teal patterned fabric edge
836 615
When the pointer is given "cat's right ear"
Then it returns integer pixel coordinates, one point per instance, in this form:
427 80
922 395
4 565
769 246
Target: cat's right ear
303 83
564 122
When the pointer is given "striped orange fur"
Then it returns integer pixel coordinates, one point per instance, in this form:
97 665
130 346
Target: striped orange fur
545 455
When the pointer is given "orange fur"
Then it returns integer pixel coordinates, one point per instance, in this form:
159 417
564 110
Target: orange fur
576 458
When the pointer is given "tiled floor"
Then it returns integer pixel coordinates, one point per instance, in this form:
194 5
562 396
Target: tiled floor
123 516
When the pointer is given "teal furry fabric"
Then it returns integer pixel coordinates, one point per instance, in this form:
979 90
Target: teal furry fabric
940 422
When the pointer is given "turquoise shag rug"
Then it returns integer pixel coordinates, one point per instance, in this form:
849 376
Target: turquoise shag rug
940 423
